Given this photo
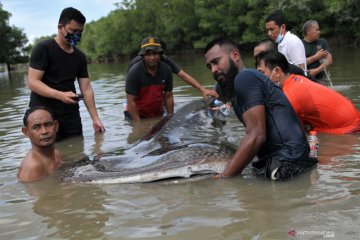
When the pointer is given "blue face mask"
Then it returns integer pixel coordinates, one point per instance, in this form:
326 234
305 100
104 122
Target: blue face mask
279 37
72 38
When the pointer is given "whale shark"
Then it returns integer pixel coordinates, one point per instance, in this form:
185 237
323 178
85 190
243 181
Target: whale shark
185 145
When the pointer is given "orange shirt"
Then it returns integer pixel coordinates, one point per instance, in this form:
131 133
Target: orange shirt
321 107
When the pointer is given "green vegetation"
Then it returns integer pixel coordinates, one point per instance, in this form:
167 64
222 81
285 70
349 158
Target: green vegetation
190 24
12 41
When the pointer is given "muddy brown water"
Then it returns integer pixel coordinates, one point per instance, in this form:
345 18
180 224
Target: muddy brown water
323 203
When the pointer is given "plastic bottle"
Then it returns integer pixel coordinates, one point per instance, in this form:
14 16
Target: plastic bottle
314 144
222 107
125 105
217 103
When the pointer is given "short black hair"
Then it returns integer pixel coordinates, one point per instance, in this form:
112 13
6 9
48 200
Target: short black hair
69 14
273 59
222 42
33 109
278 17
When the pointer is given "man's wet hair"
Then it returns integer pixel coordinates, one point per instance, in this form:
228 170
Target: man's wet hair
307 25
33 109
273 59
278 17
69 14
224 43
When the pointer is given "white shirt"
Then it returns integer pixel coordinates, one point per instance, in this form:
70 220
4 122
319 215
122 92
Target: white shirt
293 49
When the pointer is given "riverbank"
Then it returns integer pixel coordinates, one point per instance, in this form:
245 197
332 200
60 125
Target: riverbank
244 49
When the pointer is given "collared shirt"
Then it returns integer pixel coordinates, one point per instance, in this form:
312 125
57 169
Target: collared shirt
293 49
148 89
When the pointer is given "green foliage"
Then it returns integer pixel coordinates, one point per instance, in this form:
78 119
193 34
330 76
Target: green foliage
191 24
347 16
12 41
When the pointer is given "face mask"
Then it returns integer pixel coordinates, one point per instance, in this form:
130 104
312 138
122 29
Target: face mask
276 83
72 38
279 37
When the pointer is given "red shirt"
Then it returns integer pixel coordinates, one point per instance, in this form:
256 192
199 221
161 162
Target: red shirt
149 90
321 107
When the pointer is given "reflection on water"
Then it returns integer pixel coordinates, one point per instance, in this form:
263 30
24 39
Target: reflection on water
325 199
64 208
334 148
139 130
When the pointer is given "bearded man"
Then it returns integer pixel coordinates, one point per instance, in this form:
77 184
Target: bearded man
273 131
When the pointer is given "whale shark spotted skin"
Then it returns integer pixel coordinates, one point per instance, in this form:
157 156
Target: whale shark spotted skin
182 146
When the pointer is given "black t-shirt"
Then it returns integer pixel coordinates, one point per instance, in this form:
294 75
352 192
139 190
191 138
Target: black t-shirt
293 69
60 71
285 138
311 48
61 68
149 90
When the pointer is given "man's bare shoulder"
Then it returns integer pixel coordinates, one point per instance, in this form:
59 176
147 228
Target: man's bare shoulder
34 166
30 169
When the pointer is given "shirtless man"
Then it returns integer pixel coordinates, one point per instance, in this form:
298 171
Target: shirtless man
43 159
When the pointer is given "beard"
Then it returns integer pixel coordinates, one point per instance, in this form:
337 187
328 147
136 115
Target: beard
225 81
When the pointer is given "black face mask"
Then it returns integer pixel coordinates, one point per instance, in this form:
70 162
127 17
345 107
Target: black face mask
72 38
226 82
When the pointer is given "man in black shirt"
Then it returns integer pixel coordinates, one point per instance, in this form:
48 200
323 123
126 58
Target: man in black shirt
176 69
54 66
273 131
317 50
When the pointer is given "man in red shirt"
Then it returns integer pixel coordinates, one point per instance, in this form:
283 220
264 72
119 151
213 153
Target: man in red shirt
322 108
149 83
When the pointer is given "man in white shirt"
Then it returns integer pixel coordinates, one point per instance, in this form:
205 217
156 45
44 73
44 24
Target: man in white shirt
288 44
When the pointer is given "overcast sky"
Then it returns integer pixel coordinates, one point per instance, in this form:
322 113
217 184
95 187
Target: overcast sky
40 17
